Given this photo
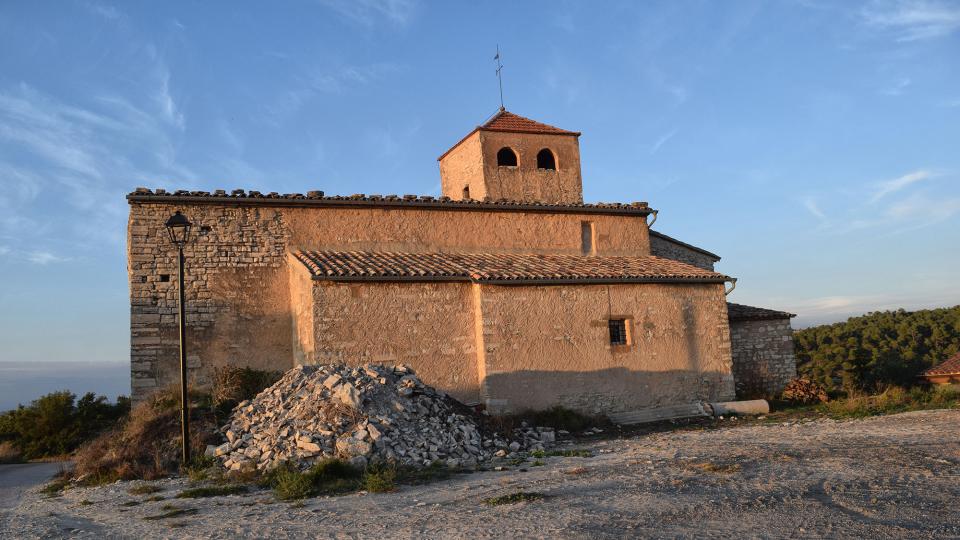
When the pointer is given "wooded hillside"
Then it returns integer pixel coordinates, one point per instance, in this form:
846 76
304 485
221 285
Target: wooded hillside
878 349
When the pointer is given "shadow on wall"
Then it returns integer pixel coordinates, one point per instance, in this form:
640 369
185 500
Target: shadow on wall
604 391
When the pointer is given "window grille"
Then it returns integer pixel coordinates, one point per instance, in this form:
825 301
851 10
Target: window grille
618 331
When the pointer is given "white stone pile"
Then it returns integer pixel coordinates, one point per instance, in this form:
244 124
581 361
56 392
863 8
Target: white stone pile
367 414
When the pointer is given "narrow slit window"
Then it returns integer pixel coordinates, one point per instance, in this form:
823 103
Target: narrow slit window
618 332
586 237
466 193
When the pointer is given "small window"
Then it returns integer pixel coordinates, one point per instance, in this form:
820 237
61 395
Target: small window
466 193
618 332
164 277
506 157
545 160
586 237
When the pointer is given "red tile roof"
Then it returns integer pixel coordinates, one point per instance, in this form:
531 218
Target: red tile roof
950 366
740 312
498 268
506 121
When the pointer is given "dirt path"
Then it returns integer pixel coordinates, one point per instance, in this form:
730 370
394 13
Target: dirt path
885 477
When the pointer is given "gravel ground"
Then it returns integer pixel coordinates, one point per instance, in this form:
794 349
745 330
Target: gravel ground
884 477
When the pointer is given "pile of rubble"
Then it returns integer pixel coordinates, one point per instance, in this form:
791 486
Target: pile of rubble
367 414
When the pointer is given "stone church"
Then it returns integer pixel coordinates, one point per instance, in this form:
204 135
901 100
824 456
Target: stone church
508 291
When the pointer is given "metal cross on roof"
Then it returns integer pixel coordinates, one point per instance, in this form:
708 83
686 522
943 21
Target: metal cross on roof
499 77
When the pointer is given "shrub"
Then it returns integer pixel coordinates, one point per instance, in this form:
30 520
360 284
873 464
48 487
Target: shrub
211 491
147 445
892 400
327 477
380 478
231 385
58 423
9 453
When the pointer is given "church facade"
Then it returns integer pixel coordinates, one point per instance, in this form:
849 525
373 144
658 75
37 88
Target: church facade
508 291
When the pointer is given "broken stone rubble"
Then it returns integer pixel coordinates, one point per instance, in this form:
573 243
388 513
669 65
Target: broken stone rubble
367 414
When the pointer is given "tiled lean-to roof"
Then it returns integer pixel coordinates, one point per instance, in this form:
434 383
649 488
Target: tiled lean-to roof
498 268
740 312
319 198
506 121
950 366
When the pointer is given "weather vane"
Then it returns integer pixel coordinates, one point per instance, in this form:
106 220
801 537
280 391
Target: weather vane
499 76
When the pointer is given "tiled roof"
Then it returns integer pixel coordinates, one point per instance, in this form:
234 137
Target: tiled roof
505 120
319 198
740 312
498 268
950 366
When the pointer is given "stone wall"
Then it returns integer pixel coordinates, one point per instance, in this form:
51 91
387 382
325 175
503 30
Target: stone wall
545 346
532 347
238 285
663 246
473 162
763 357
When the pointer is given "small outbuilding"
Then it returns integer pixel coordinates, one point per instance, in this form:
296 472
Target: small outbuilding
946 372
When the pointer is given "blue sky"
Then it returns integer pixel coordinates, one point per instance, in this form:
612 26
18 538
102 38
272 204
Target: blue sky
814 145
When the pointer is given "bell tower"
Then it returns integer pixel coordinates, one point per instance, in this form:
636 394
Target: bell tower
515 158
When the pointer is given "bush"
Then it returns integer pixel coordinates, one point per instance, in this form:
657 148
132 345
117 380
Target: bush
57 423
147 445
327 477
380 478
9 453
231 385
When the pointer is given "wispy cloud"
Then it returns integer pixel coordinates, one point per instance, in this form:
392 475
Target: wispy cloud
662 140
892 186
897 88
44 257
927 209
811 205
316 81
371 12
912 20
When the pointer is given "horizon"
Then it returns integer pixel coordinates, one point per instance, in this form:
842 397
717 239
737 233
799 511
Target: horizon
806 143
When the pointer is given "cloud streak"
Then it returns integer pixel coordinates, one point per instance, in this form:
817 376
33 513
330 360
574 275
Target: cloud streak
662 140
892 186
912 20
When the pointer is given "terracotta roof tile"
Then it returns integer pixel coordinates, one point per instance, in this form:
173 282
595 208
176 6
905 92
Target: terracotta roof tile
740 312
505 120
498 267
319 198
950 366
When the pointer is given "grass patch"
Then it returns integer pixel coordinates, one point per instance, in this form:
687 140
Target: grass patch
144 489
9 453
575 471
55 487
86 502
130 503
569 453
172 512
211 491
380 479
891 401
716 468
520 496
328 477
154 498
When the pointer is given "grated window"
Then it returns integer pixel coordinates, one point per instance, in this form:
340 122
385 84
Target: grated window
618 331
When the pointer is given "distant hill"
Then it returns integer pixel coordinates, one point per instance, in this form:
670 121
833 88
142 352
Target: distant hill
877 349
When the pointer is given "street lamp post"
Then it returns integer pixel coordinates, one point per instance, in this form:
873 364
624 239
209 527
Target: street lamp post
179 228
